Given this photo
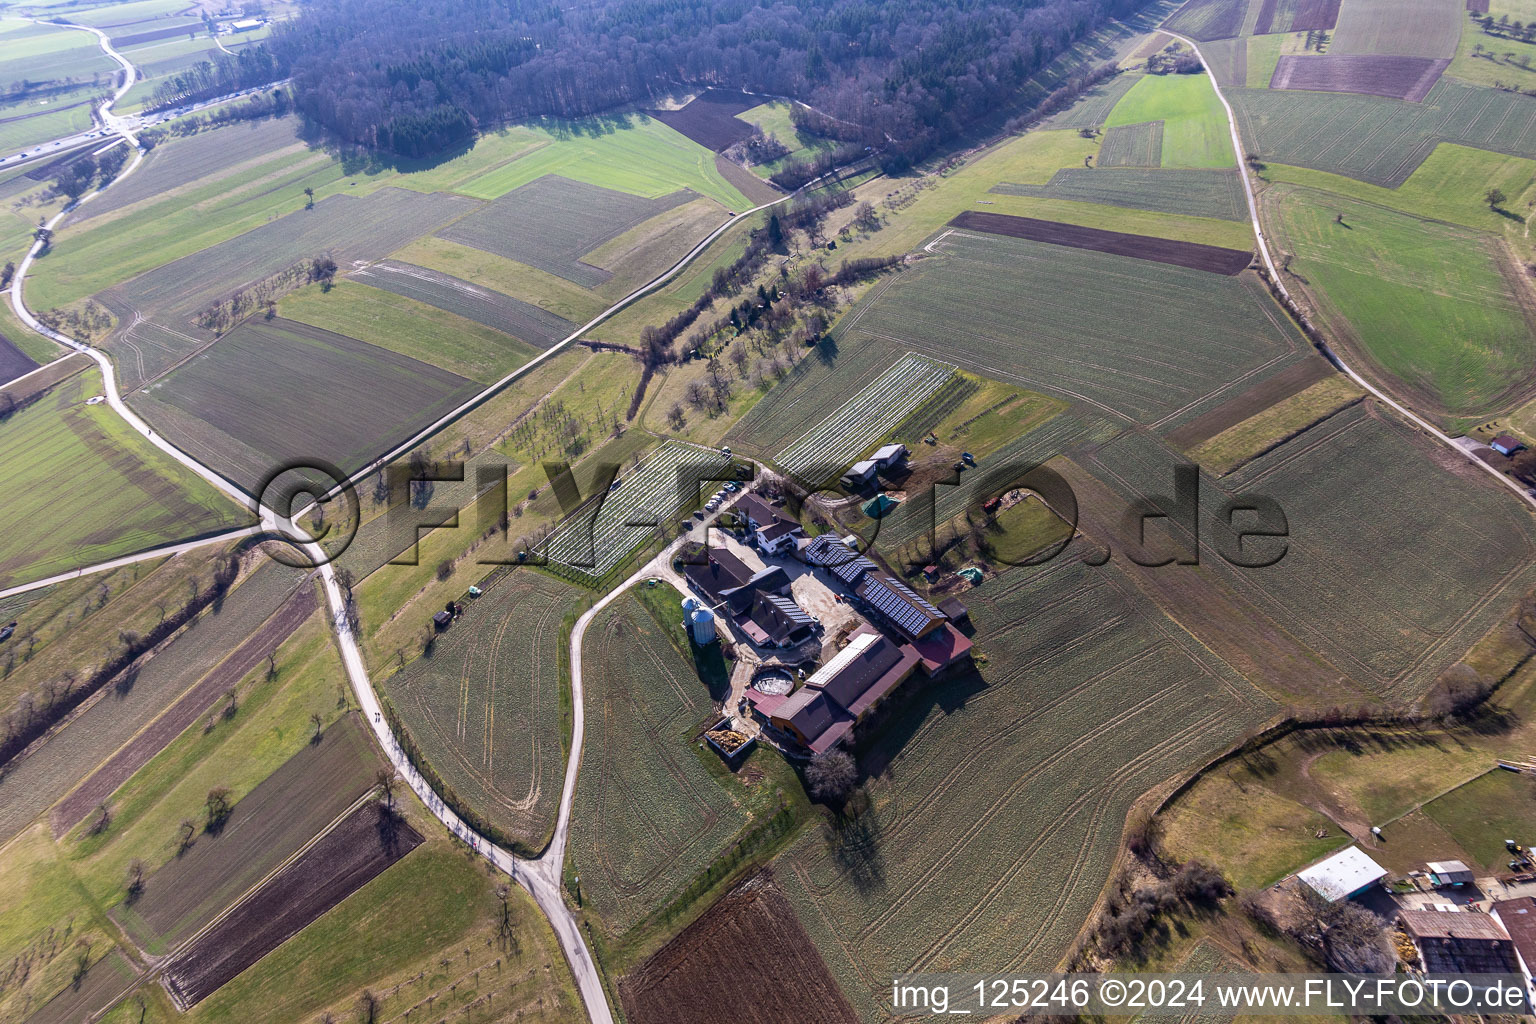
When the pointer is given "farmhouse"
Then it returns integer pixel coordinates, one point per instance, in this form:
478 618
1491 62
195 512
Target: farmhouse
841 692
1518 919
1506 444
1347 873
772 529
776 621
772 580
1459 942
720 574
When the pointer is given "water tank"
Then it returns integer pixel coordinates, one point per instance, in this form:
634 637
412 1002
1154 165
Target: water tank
702 625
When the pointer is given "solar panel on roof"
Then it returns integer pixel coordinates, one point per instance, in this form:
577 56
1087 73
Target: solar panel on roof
910 612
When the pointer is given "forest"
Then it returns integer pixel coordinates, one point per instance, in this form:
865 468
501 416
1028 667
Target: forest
417 80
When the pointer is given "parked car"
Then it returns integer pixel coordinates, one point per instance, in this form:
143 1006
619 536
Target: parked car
7 630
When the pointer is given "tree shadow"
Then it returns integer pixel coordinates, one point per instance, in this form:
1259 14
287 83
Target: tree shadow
854 842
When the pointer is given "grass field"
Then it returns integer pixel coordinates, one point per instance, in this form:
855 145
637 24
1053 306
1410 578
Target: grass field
1449 185
1429 304
643 157
272 392
1262 431
521 320
1208 19
652 247
409 328
1415 28
1194 125
1378 140
1192 193
552 222
116 494
552 294
1482 814
1019 777
1132 145
487 708
1499 59
773 119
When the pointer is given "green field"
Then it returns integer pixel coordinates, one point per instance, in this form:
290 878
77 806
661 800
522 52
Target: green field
84 487
1194 124
651 248
1191 193
1431 305
1380 140
409 328
643 157
773 119
552 222
1027 307
275 392
1093 109
1484 58
522 320
1132 145
1486 811
1262 431
556 295
487 707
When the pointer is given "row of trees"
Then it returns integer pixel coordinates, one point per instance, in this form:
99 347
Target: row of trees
412 78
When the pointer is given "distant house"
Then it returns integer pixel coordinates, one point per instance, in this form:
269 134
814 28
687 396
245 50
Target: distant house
1506 444
247 25
1460 942
1347 873
1518 918
1445 874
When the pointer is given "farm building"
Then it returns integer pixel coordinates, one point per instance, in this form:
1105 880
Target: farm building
1507 444
1347 873
954 609
1448 873
1518 919
721 573
861 474
772 580
892 456
1459 942
841 692
898 604
773 529
776 621
834 555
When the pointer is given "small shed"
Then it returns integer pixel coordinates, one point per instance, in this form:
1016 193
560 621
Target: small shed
890 455
1448 874
442 620
954 609
1506 444
861 474
1347 873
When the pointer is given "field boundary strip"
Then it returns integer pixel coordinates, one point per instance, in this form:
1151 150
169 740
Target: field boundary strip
1191 255
868 415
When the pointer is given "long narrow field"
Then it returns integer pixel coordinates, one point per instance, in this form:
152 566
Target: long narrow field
1378 140
863 419
268 825
399 323
1193 255
648 814
1434 307
1403 78
1193 193
552 222
1401 28
1296 15
485 708
275 392
522 320
600 534
999 799
358 849
1164 340
1208 19
83 487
